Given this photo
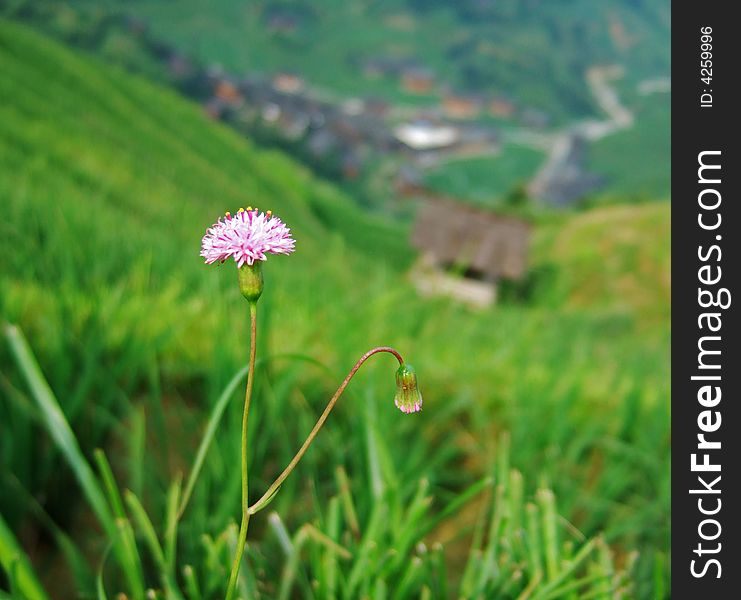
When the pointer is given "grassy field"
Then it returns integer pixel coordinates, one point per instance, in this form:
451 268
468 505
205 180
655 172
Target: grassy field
536 61
486 181
638 175
504 47
539 467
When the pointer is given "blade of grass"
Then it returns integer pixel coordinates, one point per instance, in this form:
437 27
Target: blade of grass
454 506
515 502
440 571
213 422
408 530
311 532
551 589
409 580
348 506
137 450
374 468
144 523
659 585
133 563
533 541
606 565
547 503
171 525
306 531
16 564
489 569
531 586
473 572
381 592
284 538
191 583
375 526
568 590
158 410
84 578
329 562
513 581
59 430
57 426
567 555
99 585
217 412
293 570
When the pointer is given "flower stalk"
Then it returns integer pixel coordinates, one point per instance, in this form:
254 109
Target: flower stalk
271 491
248 237
242 538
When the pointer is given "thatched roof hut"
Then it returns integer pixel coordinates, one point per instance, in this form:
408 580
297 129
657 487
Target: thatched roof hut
487 245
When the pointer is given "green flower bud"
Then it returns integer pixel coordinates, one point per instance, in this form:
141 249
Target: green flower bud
250 280
408 398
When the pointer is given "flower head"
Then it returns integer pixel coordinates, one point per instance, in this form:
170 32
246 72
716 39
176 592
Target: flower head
246 236
408 399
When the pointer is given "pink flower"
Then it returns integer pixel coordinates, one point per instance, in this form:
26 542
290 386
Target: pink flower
247 236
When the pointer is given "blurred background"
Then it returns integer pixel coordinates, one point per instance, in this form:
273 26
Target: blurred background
482 184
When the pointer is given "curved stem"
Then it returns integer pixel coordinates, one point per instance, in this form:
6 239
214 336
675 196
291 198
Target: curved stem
257 506
242 539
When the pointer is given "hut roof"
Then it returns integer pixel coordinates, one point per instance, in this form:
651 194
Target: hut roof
491 244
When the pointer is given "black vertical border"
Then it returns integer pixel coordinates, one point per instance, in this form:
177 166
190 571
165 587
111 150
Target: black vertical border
695 129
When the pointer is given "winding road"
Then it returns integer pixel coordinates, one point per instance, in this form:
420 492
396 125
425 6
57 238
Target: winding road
559 144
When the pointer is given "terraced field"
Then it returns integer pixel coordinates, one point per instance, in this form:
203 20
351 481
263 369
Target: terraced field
551 404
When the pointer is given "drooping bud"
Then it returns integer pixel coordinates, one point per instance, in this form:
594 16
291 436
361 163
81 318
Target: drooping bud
251 281
408 399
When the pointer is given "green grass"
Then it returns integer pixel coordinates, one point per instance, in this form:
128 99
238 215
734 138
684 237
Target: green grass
638 175
539 61
108 184
538 57
486 180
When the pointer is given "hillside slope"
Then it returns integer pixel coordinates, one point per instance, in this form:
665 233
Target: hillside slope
107 186
95 162
534 52
108 183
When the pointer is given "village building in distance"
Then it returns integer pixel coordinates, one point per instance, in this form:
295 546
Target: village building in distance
344 138
465 251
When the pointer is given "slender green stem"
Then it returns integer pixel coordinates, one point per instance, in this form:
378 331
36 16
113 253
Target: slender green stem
242 539
247 398
262 502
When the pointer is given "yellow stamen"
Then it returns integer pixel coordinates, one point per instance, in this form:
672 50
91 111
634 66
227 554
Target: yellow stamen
241 210
227 214
268 213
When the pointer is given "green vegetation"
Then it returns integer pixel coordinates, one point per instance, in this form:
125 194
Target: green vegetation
556 405
641 174
488 180
540 62
505 47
